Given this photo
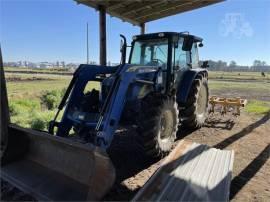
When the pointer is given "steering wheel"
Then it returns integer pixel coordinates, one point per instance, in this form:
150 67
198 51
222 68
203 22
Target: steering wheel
156 62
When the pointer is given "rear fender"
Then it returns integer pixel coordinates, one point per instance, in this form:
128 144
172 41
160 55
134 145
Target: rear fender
185 84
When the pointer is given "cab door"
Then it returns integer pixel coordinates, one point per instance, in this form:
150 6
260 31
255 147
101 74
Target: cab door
180 60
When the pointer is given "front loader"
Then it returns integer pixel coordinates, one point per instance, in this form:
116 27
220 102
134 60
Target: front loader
161 87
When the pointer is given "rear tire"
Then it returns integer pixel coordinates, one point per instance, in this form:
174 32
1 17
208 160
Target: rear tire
194 112
157 125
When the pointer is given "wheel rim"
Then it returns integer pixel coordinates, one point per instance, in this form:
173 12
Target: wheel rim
166 125
202 101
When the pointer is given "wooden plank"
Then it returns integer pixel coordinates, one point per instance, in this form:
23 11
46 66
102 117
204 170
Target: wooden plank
4 110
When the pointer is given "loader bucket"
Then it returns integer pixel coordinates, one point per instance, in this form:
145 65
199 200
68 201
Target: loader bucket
54 168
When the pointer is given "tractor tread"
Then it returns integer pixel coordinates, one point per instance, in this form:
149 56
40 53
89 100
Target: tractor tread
188 110
148 125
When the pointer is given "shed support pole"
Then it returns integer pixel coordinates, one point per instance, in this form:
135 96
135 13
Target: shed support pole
102 36
142 26
4 110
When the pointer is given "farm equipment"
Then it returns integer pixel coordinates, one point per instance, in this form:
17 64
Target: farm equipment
226 104
161 87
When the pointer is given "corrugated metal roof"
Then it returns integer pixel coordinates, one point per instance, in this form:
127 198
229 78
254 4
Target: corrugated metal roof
141 11
192 172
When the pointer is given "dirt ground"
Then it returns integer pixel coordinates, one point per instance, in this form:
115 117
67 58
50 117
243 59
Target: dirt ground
247 135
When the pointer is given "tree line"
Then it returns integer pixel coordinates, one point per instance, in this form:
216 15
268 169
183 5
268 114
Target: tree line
257 66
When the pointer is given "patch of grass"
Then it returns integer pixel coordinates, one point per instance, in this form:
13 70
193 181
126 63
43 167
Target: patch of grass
28 113
27 117
34 89
51 99
23 106
41 120
258 107
32 103
21 111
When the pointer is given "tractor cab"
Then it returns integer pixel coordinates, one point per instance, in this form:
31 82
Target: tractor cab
173 52
165 49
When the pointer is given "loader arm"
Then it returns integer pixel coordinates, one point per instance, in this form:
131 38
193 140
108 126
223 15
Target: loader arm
115 108
112 107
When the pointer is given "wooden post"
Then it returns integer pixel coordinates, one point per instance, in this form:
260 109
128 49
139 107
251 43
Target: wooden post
142 26
4 110
102 36
87 45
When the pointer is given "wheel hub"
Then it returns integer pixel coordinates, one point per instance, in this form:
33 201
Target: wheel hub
202 101
166 125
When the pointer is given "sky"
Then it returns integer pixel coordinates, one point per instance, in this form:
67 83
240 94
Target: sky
55 30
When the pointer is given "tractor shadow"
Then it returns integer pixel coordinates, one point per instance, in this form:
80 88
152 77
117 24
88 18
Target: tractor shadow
183 132
120 192
128 161
223 123
219 123
245 131
249 172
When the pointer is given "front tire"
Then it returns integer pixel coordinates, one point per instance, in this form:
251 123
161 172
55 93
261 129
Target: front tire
194 112
157 125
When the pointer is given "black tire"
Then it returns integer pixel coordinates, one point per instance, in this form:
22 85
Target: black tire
157 125
193 113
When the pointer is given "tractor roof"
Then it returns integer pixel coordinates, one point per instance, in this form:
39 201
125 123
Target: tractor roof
167 34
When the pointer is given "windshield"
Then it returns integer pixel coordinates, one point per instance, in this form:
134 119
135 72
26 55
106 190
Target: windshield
152 52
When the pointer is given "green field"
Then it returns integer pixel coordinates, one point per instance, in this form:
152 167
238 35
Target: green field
33 98
243 85
37 70
238 75
33 89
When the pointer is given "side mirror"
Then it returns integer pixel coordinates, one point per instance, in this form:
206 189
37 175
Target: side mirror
123 48
205 64
200 44
187 43
121 45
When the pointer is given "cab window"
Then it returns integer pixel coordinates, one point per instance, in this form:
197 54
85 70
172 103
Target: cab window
152 52
180 57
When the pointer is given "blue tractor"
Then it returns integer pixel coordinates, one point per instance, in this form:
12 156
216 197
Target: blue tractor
161 87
